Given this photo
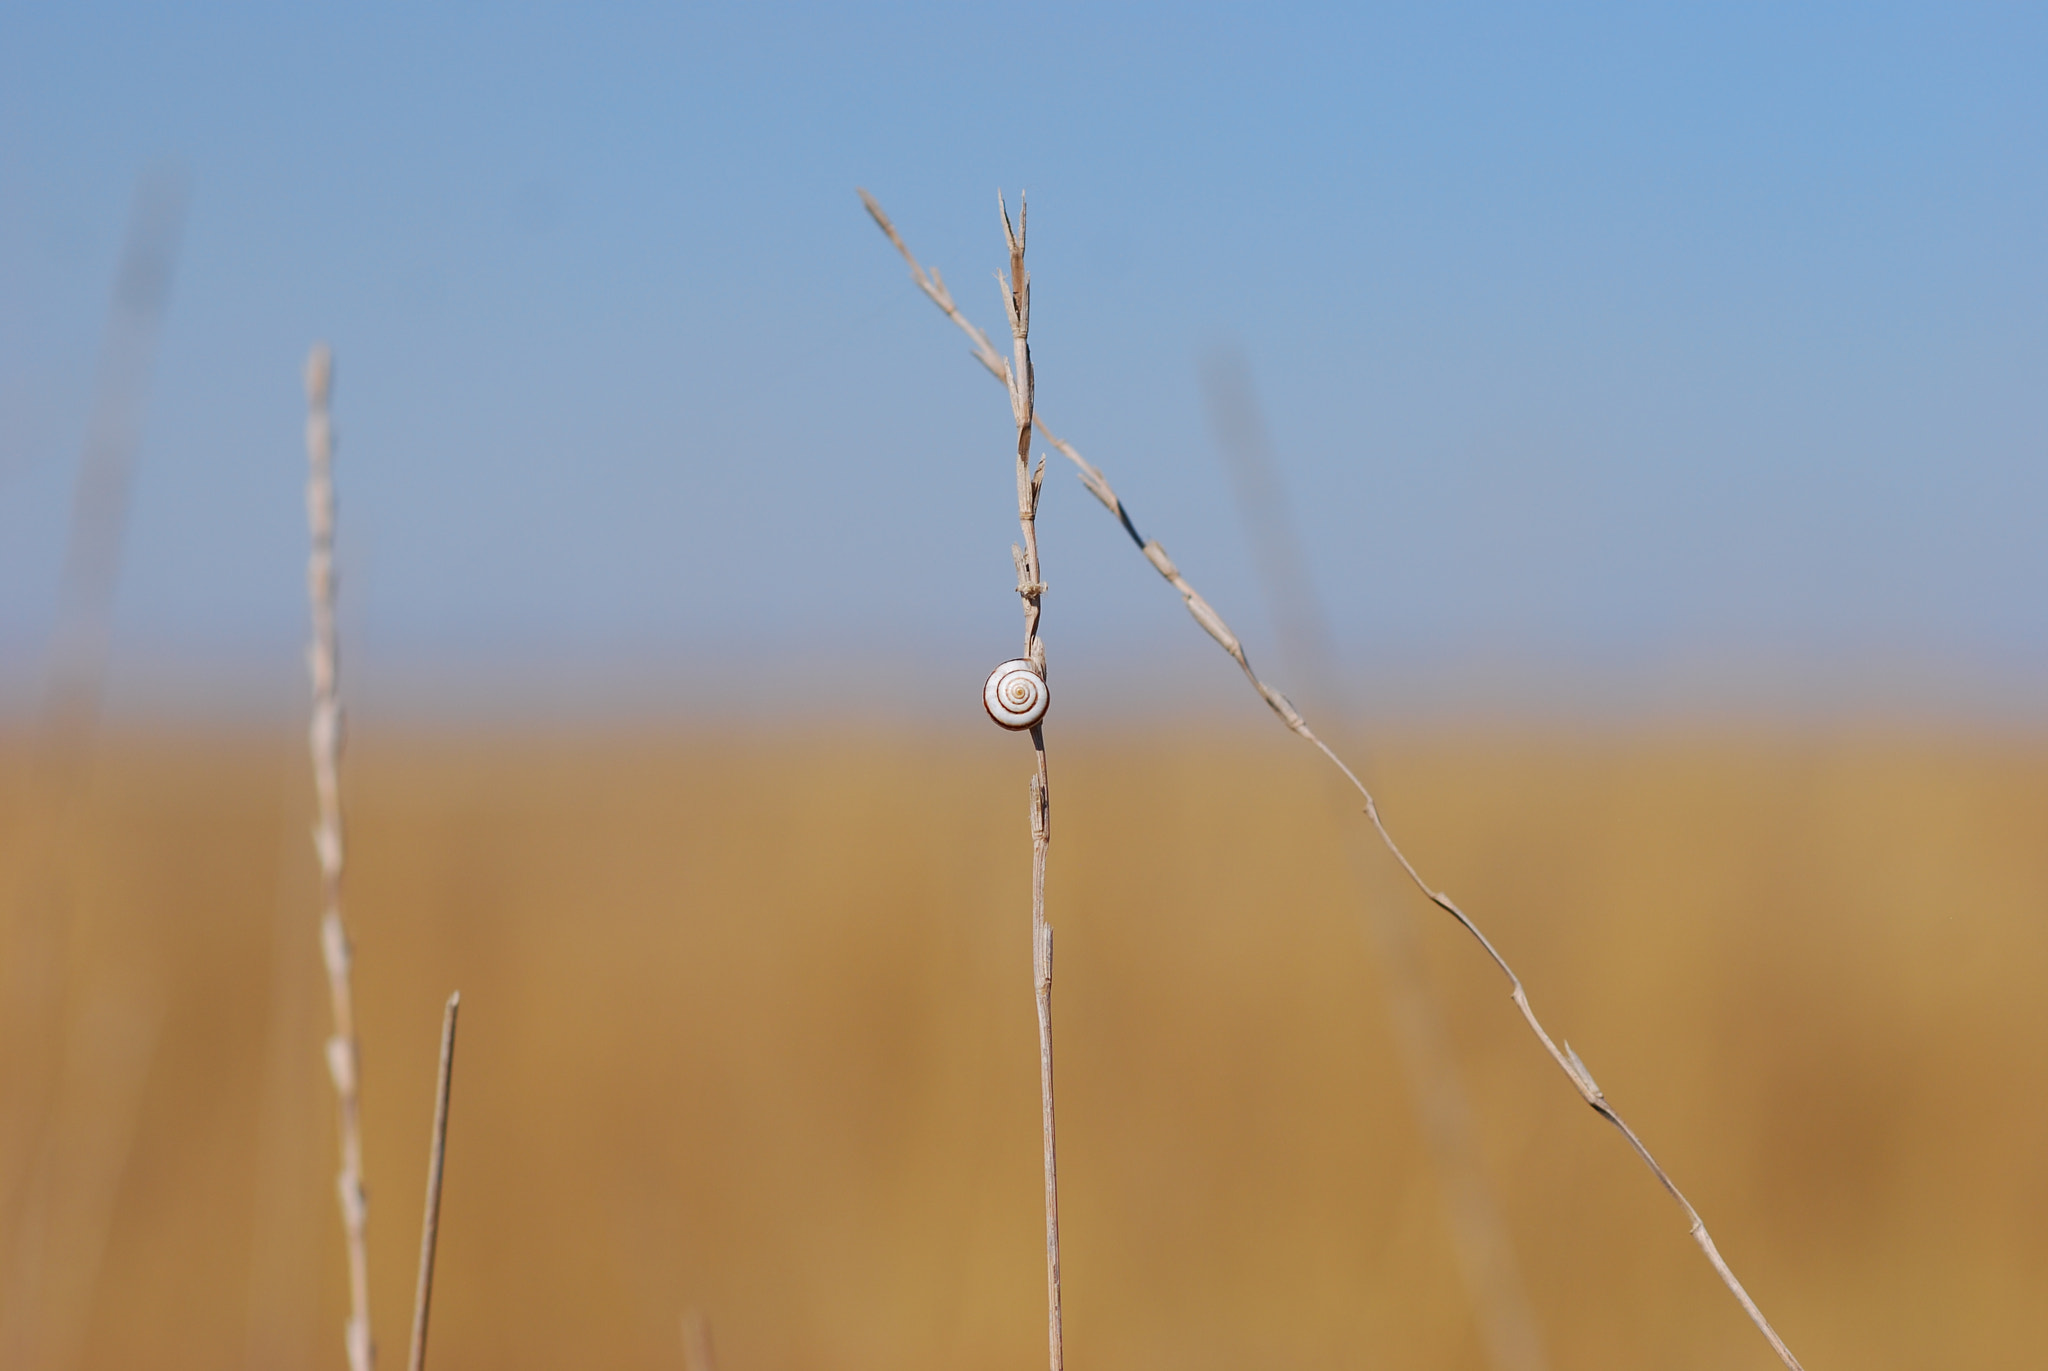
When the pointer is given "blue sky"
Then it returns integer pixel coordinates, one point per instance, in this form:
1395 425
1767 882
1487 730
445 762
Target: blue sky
1596 344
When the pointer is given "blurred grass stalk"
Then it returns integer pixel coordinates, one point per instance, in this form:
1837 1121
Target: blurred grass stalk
325 739
697 1351
1213 624
1480 1240
73 1074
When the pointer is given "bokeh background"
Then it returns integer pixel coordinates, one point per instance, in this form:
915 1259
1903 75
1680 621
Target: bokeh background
1626 425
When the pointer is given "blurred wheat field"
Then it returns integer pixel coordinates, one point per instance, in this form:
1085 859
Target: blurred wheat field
748 1026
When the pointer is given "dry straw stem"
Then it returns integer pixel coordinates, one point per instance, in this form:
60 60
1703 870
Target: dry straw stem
1212 623
37 888
1017 376
430 1223
1479 1235
697 1353
343 1056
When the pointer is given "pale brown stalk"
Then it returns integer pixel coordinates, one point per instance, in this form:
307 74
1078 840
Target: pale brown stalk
1479 1234
697 1353
48 1166
1212 623
61 1236
430 1223
343 1055
1031 589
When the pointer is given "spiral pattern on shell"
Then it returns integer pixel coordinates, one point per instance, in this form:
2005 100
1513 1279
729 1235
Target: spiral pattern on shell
1016 695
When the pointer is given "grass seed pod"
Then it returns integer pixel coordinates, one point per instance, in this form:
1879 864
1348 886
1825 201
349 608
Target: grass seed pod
1016 695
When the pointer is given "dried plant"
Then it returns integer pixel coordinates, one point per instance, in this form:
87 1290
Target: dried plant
59 1167
343 1055
1213 624
1017 376
430 1223
1479 1234
697 1352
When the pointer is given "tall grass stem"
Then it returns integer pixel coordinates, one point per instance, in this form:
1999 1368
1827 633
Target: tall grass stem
325 739
1031 591
430 1222
1213 624
698 1354
1480 1241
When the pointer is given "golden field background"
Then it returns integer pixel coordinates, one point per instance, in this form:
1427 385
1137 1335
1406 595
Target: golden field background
747 1026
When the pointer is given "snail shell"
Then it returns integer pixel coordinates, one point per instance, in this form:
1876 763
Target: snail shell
1016 695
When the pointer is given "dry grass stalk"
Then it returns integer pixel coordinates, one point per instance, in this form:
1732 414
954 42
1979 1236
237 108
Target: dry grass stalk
430 1223
697 1353
1479 1234
59 1240
343 1055
1212 623
1017 376
36 893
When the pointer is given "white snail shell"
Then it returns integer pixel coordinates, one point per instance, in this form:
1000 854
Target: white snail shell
1016 695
